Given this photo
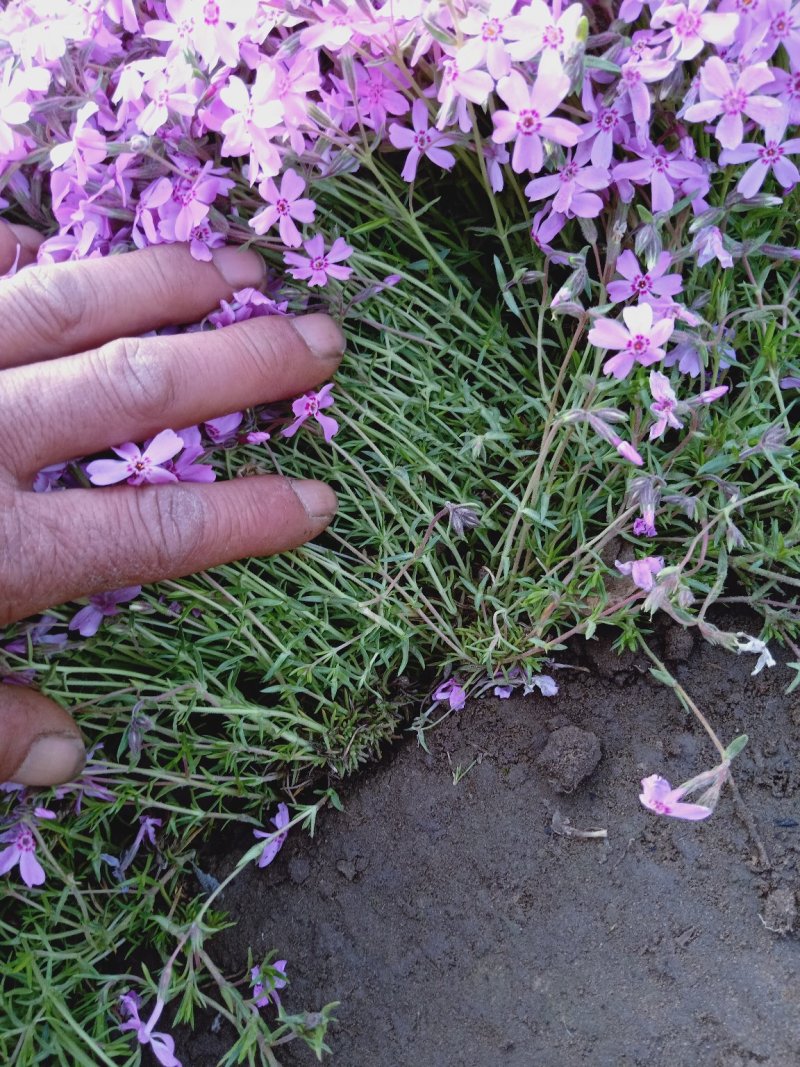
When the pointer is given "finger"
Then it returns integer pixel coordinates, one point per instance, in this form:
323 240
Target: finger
18 245
123 536
55 310
128 390
39 742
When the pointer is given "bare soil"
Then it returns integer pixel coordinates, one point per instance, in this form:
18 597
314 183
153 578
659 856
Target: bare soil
458 928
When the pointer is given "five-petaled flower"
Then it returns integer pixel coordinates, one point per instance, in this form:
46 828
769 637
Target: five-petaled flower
643 283
284 205
266 986
639 340
136 466
161 1045
453 693
642 572
87 620
421 141
311 406
21 850
318 266
659 796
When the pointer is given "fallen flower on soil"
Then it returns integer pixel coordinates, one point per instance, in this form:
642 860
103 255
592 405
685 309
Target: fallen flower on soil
274 841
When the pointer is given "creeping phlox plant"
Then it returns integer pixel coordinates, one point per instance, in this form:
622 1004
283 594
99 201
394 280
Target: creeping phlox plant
561 239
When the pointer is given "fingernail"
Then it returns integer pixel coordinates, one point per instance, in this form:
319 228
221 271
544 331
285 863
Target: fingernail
51 760
317 498
322 335
240 267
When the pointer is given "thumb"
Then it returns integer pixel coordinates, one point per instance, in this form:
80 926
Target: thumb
39 742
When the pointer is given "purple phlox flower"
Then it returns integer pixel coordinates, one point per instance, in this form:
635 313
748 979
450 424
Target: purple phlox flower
503 692
224 428
643 284
257 437
22 850
16 87
318 266
544 28
600 425
284 205
639 339
137 466
453 693
570 186
485 44
664 404
607 126
546 685
791 381
200 28
547 224
87 620
185 466
692 27
146 832
274 838
421 141
38 634
26 677
374 95
528 118
659 796
458 88
85 148
642 572
773 156
89 784
662 170
643 528
781 27
247 304
170 89
496 156
184 202
786 86
720 95
637 72
162 1045
707 245
310 406
266 986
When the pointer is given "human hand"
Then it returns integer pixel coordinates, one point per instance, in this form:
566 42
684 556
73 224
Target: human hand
74 379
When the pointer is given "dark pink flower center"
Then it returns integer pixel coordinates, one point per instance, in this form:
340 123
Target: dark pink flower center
630 75
25 841
282 206
320 263
211 13
183 191
638 344
202 233
663 405
312 405
734 101
607 120
528 121
422 139
568 172
687 24
771 152
185 28
782 24
660 162
374 91
642 283
553 37
491 29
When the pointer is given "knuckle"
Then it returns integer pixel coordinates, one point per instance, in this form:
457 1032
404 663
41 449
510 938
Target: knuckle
141 381
52 300
173 525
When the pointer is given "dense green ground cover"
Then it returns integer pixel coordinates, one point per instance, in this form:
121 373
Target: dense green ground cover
216 695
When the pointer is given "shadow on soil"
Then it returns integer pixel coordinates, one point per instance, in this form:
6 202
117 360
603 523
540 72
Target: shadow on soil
458 929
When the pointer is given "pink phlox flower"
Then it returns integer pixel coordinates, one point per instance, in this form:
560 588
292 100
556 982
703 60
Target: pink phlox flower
196 27
257 437
781 27
224 429
636 74
274 841
335 25
310 406
459 87
38 635
503 692
663 406
185 201
639 339
185 466
86 146
643 284
707 245
22 850
284 206
173 88
722 96
544 28
247 304
101 606
659 796
376 95
528 118
17 90
266 986
571 186
607 126
485 44
421 141
662 170
546 225
496 157
642 572
162 1045
773 156
136 466
692 27
255 119
786 86
319 266
453 693
599 423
